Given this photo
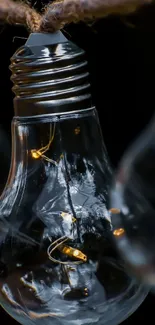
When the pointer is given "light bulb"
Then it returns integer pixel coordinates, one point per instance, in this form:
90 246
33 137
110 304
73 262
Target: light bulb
133 207
58 264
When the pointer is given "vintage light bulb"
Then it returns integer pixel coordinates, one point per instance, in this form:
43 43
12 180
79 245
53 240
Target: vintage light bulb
133 202
57 261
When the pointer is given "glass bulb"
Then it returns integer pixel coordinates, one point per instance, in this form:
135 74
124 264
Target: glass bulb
57 260
133 207
5 157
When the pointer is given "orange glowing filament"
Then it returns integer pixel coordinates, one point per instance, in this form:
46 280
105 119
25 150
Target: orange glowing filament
114 211
118 232
73 252
67 250
77 130
36 154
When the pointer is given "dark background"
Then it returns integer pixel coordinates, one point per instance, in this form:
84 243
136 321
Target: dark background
121 57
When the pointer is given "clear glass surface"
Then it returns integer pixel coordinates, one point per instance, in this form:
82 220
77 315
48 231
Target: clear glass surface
58 263
133 194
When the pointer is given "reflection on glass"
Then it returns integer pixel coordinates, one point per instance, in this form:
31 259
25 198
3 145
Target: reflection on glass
57 261
133 197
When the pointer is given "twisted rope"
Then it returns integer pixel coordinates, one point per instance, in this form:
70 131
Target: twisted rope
61 12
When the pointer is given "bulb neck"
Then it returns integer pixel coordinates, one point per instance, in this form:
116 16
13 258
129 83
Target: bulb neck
50 76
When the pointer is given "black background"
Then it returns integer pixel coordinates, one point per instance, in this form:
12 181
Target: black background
121 56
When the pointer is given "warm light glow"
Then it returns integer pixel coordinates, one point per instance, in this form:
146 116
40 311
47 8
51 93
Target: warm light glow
40 153
71 252
68 217
76 253
118 232
114 211
77 130
35 154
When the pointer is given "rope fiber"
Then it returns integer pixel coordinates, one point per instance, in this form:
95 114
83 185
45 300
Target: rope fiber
61 12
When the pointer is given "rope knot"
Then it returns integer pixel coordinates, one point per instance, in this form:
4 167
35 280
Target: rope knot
62 12
32 20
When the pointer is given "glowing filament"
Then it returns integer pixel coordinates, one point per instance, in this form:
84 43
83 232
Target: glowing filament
36 154
114 211
118 232
86 291
67 217
71 252
77 130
